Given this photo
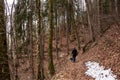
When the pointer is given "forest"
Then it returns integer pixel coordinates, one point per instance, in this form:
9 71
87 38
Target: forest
37 39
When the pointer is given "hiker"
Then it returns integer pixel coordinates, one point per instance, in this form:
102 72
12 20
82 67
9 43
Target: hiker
74 54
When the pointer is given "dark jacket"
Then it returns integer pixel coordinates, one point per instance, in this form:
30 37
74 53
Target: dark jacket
74 52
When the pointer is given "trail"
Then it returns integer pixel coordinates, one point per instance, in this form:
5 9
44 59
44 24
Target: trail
106 52
73 71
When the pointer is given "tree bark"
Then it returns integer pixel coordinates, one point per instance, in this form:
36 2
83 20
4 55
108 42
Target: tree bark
40 73
4 68
88 3
98 17
68 27
31 44
51 65
56 14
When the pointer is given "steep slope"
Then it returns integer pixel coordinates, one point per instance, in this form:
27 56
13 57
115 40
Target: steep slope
106 52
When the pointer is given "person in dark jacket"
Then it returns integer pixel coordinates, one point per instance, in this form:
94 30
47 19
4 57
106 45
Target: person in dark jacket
74 54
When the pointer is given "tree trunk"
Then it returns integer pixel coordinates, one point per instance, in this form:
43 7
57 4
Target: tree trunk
98 17
68 27
56 34
31 44
4 68
116 8
51 65
13 44
88 6
40 73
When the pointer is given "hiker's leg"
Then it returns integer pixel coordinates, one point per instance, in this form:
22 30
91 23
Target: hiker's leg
73 59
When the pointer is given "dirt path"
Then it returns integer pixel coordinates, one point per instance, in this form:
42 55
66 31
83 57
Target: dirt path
106 52
73 71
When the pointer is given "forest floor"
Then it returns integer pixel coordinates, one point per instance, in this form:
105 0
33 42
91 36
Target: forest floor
106 52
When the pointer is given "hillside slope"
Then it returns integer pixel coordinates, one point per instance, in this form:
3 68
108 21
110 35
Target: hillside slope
106 52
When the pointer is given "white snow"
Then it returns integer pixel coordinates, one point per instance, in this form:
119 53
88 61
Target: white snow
98 72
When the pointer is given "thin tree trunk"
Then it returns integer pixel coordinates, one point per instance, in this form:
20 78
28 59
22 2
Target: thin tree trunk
51 65
117 16
67 28
98 17
31 46
13 44
40 73
56 35
116 7
89 19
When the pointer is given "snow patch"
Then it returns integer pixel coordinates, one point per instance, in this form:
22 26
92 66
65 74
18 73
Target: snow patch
98 72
